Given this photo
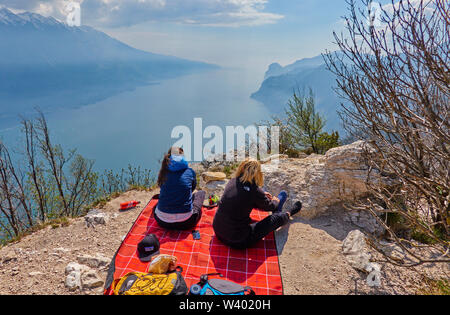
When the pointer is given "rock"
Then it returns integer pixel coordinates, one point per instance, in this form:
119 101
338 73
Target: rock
35 273
215 187
366 221
74 267
213 176
95 217
355 250
97 261
73 281
73 276
374 277
320 181
392 250
274 158
8 258
213 183
80 276
91 280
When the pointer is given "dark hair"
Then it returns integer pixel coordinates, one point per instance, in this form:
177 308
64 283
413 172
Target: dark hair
165 164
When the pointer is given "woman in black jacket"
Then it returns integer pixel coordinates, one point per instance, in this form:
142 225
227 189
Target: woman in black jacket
232 223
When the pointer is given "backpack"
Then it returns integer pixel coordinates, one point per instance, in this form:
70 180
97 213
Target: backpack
137 283
208 286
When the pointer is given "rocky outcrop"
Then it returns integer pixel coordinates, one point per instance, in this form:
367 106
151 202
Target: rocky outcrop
213 183
320 181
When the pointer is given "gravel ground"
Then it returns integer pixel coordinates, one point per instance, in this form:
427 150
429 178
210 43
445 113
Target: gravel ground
311 259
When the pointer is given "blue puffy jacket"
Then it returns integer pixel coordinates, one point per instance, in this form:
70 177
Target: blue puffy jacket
176 192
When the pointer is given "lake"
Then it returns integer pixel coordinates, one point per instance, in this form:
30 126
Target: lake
135 127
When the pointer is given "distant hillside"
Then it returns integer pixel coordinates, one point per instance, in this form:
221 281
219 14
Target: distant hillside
280 83
53 64
276 69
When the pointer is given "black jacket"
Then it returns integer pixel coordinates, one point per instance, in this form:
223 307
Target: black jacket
232 220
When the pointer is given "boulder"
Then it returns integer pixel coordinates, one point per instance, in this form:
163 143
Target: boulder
215 187
319 181
355 250
213 176
213 183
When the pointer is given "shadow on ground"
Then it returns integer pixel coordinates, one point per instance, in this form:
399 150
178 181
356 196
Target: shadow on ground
332 222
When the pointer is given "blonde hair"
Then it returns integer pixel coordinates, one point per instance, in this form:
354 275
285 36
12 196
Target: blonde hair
249 171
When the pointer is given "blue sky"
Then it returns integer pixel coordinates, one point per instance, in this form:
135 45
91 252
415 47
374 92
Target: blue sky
235 33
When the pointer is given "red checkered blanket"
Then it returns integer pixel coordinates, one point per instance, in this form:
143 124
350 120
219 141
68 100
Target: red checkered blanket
256 267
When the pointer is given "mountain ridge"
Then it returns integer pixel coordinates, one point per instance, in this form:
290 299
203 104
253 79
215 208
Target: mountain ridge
48 64
280 83
36 23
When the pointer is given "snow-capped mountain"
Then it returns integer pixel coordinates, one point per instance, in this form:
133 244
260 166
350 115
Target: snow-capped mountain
29 37
9 18
41 56
48 64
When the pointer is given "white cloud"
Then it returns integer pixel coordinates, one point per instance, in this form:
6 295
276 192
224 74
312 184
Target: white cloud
116 13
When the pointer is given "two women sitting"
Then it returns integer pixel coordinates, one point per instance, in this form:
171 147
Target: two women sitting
178 208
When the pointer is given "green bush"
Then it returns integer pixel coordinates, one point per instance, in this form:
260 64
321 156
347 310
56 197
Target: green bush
301 130
327 141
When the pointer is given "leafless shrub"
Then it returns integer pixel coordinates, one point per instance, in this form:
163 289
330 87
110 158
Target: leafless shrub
396 78
45 182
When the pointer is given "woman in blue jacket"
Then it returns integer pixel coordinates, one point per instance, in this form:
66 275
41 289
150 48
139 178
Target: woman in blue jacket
178 208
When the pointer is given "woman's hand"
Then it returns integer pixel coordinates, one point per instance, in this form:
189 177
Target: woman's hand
273 198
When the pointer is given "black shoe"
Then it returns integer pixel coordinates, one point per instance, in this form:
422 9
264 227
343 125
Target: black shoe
296 208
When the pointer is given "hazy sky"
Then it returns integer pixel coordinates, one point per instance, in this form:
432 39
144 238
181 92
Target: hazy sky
298 29
237 33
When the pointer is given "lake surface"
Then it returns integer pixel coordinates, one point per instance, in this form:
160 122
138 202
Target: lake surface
135 127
